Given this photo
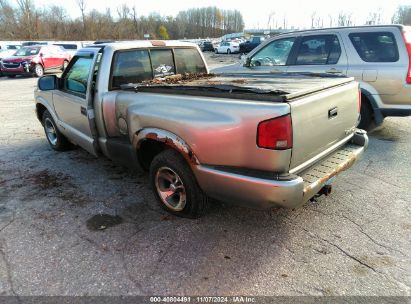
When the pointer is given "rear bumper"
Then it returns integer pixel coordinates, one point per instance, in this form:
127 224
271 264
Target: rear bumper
288 191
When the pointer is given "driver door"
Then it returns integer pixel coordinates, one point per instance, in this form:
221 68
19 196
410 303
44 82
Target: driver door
73 102
273 57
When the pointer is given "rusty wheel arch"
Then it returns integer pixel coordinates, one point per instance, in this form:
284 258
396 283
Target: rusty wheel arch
151 141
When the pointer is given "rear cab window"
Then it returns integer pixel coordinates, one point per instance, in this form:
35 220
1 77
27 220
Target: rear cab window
189 61
375 46
135 66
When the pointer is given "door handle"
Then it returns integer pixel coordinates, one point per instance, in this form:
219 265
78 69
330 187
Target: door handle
83 111
333 71
332 113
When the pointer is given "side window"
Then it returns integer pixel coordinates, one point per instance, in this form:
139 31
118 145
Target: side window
46 51
375 46
76 78
163 63
130 67
275 53
317 50
189 61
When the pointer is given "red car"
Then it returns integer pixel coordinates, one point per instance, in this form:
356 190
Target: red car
35 60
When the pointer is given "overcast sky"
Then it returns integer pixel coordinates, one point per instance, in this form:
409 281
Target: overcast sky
297 12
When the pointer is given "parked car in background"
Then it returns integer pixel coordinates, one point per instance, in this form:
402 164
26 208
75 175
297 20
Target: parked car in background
35 60
251 44
378 57
30 43
7 49
227 47
251 140
70 47
207 46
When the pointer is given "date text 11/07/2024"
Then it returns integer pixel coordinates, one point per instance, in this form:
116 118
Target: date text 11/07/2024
203 299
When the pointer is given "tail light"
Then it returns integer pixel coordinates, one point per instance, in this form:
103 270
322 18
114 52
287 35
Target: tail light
275 133
407 40
359 99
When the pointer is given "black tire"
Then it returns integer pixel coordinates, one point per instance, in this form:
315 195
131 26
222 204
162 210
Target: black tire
38 70
216 51
59 142
196 202
11 76
228 51
64 66
367 121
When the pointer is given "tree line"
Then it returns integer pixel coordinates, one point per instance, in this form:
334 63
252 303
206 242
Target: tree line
22 20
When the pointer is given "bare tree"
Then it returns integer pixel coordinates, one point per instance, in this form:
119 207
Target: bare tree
344 19
402 15
374 17
270 18
331 19
313 14
82 6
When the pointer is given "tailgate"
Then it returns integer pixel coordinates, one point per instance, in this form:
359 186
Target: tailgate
322 122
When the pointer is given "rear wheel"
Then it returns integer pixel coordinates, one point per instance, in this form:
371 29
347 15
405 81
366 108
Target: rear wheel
216 51
367 121
175 186
56 140
228 51
38 70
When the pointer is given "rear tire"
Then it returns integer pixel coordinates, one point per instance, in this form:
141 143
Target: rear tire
216 51
56 140
175 186
228 51
367 121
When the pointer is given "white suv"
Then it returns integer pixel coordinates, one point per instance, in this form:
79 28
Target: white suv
378 57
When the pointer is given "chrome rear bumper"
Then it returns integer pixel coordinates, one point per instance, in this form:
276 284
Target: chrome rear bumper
288 191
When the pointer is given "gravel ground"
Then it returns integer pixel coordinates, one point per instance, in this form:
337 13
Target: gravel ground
54 239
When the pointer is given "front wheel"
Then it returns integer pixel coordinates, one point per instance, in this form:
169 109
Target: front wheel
216 51
228 51
175 186
56 140
38 70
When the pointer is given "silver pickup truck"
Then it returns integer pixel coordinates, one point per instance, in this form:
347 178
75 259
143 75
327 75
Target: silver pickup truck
254 140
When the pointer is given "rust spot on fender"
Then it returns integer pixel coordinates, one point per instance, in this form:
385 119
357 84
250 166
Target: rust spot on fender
176 143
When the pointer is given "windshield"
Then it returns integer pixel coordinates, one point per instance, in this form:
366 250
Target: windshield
25 51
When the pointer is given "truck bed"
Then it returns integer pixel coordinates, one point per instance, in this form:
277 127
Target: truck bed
278 87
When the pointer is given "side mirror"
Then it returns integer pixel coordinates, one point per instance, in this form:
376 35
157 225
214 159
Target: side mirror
47 83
